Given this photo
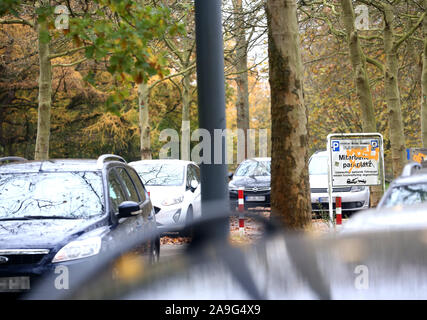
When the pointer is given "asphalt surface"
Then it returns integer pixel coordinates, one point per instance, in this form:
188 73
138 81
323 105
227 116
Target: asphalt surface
169 251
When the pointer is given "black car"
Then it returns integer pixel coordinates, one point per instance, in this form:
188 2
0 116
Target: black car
254 177
58 214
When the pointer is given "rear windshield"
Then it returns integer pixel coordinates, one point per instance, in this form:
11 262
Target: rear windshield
406 195
60 194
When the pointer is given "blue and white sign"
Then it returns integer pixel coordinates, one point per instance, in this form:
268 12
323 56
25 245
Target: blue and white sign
335 145
355 161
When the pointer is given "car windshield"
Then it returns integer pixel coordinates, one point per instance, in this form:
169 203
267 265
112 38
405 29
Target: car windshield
254 168
406 195
161 174
318 165
73 195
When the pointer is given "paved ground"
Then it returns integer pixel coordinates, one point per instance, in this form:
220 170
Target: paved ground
174 245
168 251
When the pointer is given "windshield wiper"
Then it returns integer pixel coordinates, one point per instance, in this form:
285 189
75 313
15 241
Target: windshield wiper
11 219
37 218
49 217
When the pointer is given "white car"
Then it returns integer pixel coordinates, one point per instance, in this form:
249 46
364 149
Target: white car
353 198
174 188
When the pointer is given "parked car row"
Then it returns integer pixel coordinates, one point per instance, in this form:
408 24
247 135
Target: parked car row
254 177
65 212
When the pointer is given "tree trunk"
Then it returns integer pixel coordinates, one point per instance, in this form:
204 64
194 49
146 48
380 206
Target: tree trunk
185 124
144 120
358 63
392 94
242 103
45 95
361 79
290 191
424 84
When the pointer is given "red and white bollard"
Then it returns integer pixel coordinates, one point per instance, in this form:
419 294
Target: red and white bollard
338 211
241 209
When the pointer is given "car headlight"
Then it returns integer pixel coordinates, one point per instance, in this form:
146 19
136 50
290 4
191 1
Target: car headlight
357 188
172 201
78 249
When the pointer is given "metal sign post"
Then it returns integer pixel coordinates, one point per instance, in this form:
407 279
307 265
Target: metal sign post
211 102
355 159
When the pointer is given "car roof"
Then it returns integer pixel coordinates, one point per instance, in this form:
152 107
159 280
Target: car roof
259 159
52 165
419 177
320 153
160 161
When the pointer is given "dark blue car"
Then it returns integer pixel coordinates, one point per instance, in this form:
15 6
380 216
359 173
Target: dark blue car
55 214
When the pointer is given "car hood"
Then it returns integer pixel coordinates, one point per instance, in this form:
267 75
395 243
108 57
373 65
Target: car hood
253 181
387 219
40 233
318 181
160 193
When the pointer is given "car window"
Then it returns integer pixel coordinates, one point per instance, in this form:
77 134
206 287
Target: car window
189 175
406 195
196 172
192 174
138 183
60 194
115 191
129 186
318 165
254 168
161 174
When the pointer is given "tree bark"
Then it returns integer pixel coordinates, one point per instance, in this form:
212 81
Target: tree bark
144 120
185 124
45 95
242 103
290 191
361 80
358 62
424 83
392 94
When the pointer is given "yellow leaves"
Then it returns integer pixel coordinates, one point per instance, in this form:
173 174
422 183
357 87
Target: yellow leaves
153 61
123 44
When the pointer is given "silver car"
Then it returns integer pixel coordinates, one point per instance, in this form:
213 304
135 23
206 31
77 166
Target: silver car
408 189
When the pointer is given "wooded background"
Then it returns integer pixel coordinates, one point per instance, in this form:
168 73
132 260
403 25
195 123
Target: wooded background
125 70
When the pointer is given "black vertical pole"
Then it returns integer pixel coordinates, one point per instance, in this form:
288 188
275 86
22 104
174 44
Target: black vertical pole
211 101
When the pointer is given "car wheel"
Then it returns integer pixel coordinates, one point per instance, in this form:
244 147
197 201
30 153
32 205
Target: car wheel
188 221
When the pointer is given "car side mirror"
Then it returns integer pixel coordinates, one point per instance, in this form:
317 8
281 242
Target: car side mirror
128 209
230 175
193 185
156 209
